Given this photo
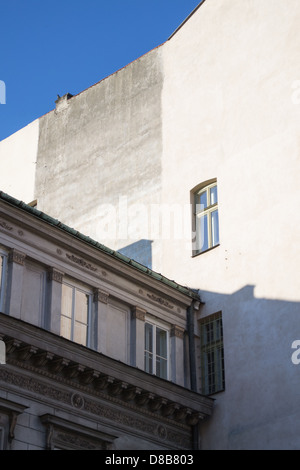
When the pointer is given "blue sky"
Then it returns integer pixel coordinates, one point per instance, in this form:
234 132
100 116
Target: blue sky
50 47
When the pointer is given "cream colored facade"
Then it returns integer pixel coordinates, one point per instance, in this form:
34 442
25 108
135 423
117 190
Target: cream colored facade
218 101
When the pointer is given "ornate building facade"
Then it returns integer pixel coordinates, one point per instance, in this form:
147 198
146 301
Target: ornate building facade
75 321
187 162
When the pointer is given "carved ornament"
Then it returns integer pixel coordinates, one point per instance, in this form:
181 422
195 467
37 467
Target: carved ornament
160 300
81 262
16 257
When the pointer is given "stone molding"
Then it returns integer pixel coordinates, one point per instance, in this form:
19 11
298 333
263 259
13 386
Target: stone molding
49 364
177 331
68 435
16 256
138 313
12 410
55 275
160 300
81 262
101 296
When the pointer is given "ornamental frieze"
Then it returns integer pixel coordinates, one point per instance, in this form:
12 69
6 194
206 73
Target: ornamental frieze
81 262
160 300
121 417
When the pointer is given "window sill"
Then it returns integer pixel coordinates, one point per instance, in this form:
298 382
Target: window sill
206 251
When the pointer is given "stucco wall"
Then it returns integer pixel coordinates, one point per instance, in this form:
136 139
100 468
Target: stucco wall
99 155
229 112
18 155
218 100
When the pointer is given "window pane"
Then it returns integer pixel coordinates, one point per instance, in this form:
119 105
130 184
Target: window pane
161 368
148 337
148 359
215 228
201 233
148 362
65 327
161 343
80 333
1 266
208 331
213 195
201 201
212 353
81 306
66 305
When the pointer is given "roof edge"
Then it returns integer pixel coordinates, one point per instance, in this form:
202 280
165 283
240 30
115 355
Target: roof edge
187 18
192 293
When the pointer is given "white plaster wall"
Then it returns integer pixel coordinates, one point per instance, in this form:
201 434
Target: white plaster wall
230 111
18 154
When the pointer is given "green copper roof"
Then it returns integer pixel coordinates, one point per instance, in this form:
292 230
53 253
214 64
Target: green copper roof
115 254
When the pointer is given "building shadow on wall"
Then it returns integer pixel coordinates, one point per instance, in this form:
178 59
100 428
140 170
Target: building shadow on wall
261 338
140 251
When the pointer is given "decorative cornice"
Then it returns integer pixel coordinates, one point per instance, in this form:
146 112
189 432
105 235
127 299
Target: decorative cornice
57 368
91 381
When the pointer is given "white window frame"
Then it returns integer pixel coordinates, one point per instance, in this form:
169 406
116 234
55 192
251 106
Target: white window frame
82 288
3 255
201 212
165 328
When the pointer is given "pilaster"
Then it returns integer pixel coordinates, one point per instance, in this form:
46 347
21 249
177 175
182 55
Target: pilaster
137 335
16 261
177 354
54 294
101 311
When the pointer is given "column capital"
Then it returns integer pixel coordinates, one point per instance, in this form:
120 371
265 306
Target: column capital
100 296
177 331
16 256
55 275
138 313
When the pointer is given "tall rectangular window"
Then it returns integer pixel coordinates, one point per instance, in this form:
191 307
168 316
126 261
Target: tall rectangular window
75 314
212 354
3 264
156 350
206 223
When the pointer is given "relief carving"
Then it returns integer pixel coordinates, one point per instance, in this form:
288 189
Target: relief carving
16 257
54 275
5 225
138 313
160 300
101 296
177 331
81 262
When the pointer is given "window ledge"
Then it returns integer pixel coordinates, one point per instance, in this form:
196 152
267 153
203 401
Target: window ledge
206 251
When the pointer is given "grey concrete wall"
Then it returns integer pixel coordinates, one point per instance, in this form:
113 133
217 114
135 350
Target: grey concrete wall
102 145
